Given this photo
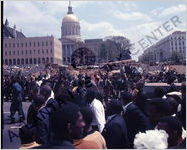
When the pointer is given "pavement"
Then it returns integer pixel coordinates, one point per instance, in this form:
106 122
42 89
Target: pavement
10 134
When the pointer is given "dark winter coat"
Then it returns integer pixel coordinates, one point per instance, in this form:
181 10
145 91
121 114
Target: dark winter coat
115 133
136 121
42 127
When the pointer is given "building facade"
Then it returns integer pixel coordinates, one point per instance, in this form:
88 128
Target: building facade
162 50
31 51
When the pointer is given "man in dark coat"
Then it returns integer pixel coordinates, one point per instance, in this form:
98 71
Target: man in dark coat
115 131
32 112
16 105
66 124
50 105
141 97
135 119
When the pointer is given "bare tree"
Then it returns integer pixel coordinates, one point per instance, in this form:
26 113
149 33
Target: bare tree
121 47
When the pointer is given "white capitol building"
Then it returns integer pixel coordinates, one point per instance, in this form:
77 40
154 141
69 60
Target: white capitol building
71 39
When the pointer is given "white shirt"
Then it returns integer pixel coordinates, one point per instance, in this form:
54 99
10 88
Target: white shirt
99 114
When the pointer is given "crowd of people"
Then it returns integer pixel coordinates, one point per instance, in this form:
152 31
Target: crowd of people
98 111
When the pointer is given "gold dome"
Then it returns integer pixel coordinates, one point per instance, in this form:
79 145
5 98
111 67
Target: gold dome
70 18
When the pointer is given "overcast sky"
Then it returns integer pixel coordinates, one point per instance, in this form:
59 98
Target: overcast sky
133 20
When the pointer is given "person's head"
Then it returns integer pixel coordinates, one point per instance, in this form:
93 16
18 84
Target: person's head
88 118
39 100
159 92
45 91
173 105
64 94
67 122
173 127
156 109
34 91
126 98
90 95
140 85
151 139
113 107
88 82
141 100
48 84
26 134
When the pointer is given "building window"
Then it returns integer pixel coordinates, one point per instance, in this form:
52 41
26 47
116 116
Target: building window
17 44
38 43
18 52
42 43
9 52
13 52
30 52
34 60
30 44
26 61
34 51
5 53
10 61
38 51
13 44
21 44
43 60
22 52
46 43
14 61
64 59
34 44
51 51
6 62
39 61
68 59
51 43
9 44
22 61
26 44
30 61
5 45
51 59
18 61
47 60
42 51
47 51
26 52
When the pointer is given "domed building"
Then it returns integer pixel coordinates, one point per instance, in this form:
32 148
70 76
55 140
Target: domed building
70 35
70 26
72 44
